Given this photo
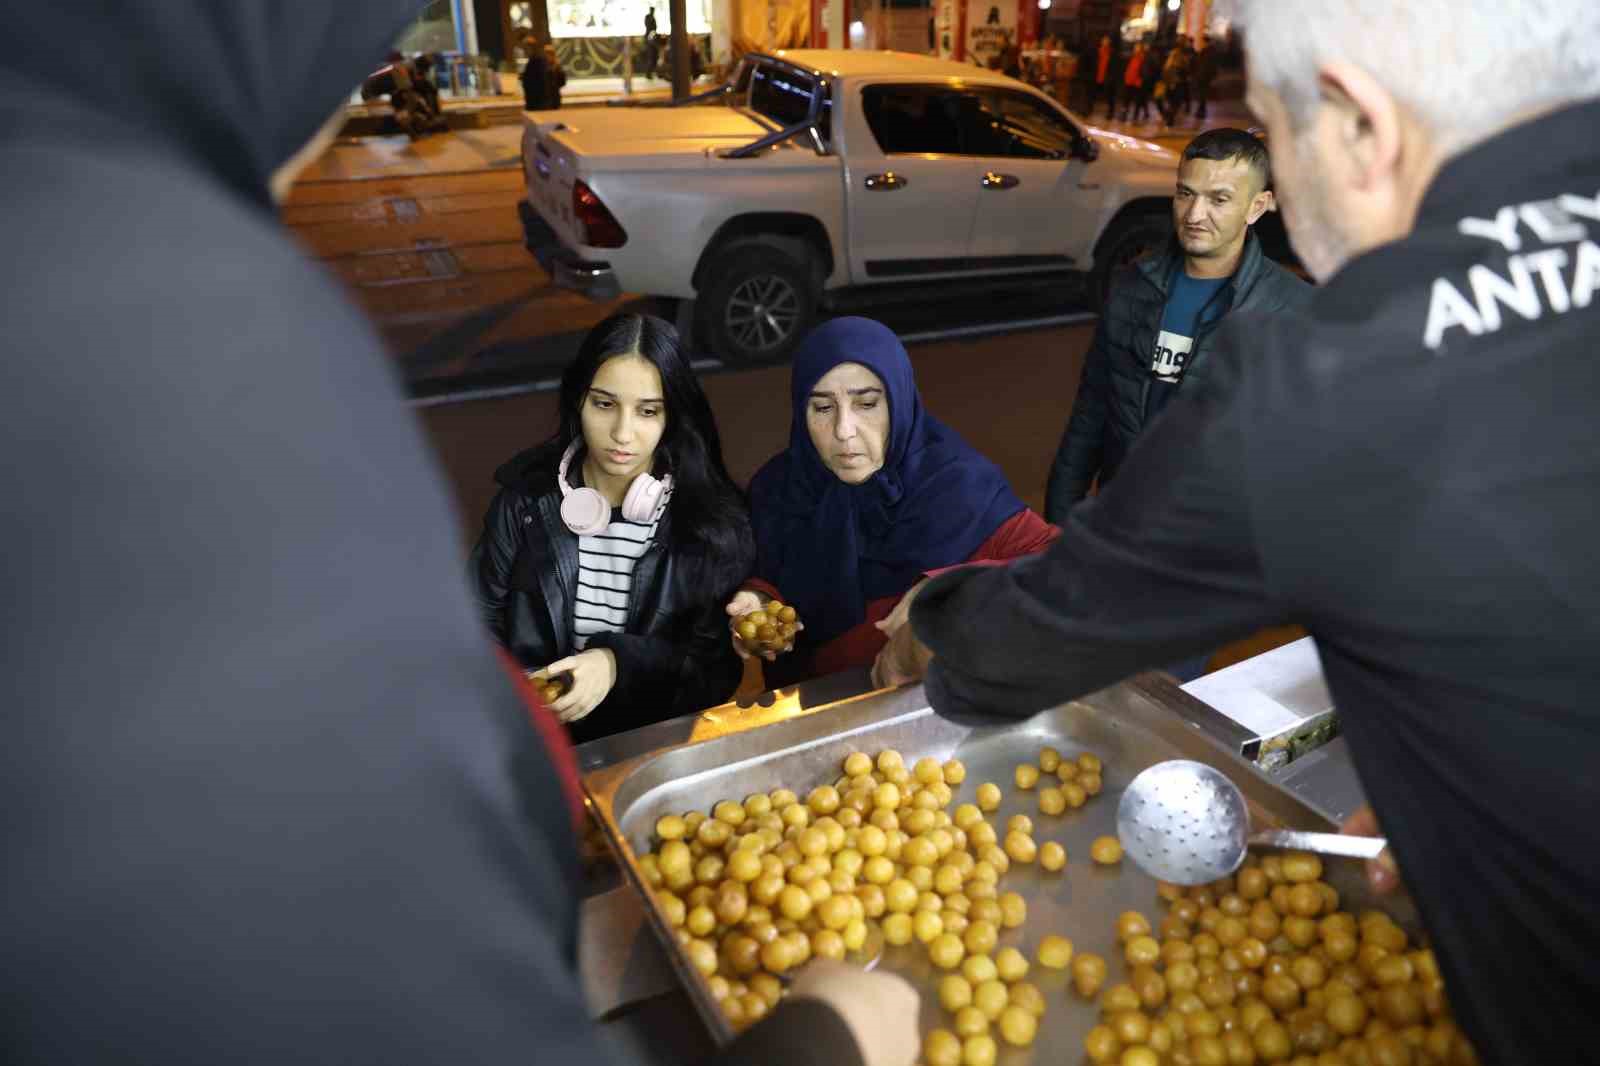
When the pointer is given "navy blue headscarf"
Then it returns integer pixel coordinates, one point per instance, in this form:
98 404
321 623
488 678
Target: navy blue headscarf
832 547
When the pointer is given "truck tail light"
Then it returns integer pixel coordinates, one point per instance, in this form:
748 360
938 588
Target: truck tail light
600 227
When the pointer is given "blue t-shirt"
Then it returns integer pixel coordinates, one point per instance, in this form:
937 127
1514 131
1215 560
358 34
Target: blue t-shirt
1180 324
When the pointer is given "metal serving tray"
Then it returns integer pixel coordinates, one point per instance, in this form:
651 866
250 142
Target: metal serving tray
1130 726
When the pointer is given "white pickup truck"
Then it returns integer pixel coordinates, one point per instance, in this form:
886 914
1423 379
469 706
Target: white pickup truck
816 178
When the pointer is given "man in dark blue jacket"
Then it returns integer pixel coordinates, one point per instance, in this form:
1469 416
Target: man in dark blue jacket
1157 323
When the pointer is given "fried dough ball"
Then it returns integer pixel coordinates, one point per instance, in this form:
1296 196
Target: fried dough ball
1055 952
992 998
1088 974
1027 995
980 937
1102 1045
927 770
1020 847
1131 924
941 1048
988 796
1011 964
979 1050
1018 1026
897 929
1052 856
1107 850
978 968
955 992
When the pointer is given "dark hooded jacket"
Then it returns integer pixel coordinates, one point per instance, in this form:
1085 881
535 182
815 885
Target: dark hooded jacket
1112 405
269 796
1409 468
675 657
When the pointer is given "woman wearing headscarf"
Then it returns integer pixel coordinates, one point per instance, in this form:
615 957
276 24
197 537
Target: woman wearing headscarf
270 796
872 495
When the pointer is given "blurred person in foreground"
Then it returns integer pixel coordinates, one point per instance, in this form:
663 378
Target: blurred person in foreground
270 797
1409 468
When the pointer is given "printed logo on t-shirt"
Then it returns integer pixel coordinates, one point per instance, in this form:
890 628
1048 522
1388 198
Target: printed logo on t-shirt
1172 353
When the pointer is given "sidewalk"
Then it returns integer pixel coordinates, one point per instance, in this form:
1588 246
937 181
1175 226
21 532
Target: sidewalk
475 112
1184 127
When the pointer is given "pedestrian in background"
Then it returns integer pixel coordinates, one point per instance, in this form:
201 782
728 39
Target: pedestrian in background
1011 57
1114 86
1174 77
1105 86
535 76
1083 87
1185 97
555 77
1150 75
1133 80
652 43
1205 73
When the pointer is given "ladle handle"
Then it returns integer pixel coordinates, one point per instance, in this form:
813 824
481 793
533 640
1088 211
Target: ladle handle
1321 843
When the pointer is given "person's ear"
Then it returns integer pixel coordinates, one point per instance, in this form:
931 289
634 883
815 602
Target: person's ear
1259 206
1367 122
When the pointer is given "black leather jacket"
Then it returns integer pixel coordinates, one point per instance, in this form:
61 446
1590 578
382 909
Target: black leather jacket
1111 408
675 657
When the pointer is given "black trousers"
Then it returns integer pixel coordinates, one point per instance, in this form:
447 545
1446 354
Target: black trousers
1136 103
1107 92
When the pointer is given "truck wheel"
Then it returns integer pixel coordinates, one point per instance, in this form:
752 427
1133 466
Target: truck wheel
1128 239
757 302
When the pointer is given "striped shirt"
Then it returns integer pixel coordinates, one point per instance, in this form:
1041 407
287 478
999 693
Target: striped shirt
605 576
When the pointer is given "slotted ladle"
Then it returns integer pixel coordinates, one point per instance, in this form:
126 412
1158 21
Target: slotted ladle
1185 822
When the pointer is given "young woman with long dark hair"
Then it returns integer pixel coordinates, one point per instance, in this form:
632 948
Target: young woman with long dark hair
611 547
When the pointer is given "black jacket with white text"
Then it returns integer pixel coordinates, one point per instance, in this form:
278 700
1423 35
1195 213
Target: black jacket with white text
1411 469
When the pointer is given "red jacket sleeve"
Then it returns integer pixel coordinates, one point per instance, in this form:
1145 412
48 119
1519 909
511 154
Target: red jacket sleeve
1024 533
761 585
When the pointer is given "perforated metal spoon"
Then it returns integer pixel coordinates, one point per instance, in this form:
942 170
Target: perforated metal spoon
1186 823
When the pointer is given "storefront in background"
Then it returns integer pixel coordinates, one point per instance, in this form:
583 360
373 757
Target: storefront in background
972 31
606 38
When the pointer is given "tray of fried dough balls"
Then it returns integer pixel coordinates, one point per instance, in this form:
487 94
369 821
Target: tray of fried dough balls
981 863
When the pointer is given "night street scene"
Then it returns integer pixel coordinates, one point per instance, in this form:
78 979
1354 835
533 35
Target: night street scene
803 533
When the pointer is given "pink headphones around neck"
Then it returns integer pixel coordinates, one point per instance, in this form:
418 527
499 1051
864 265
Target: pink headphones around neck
586 512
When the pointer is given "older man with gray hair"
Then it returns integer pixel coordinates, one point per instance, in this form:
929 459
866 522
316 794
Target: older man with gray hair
1410 468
